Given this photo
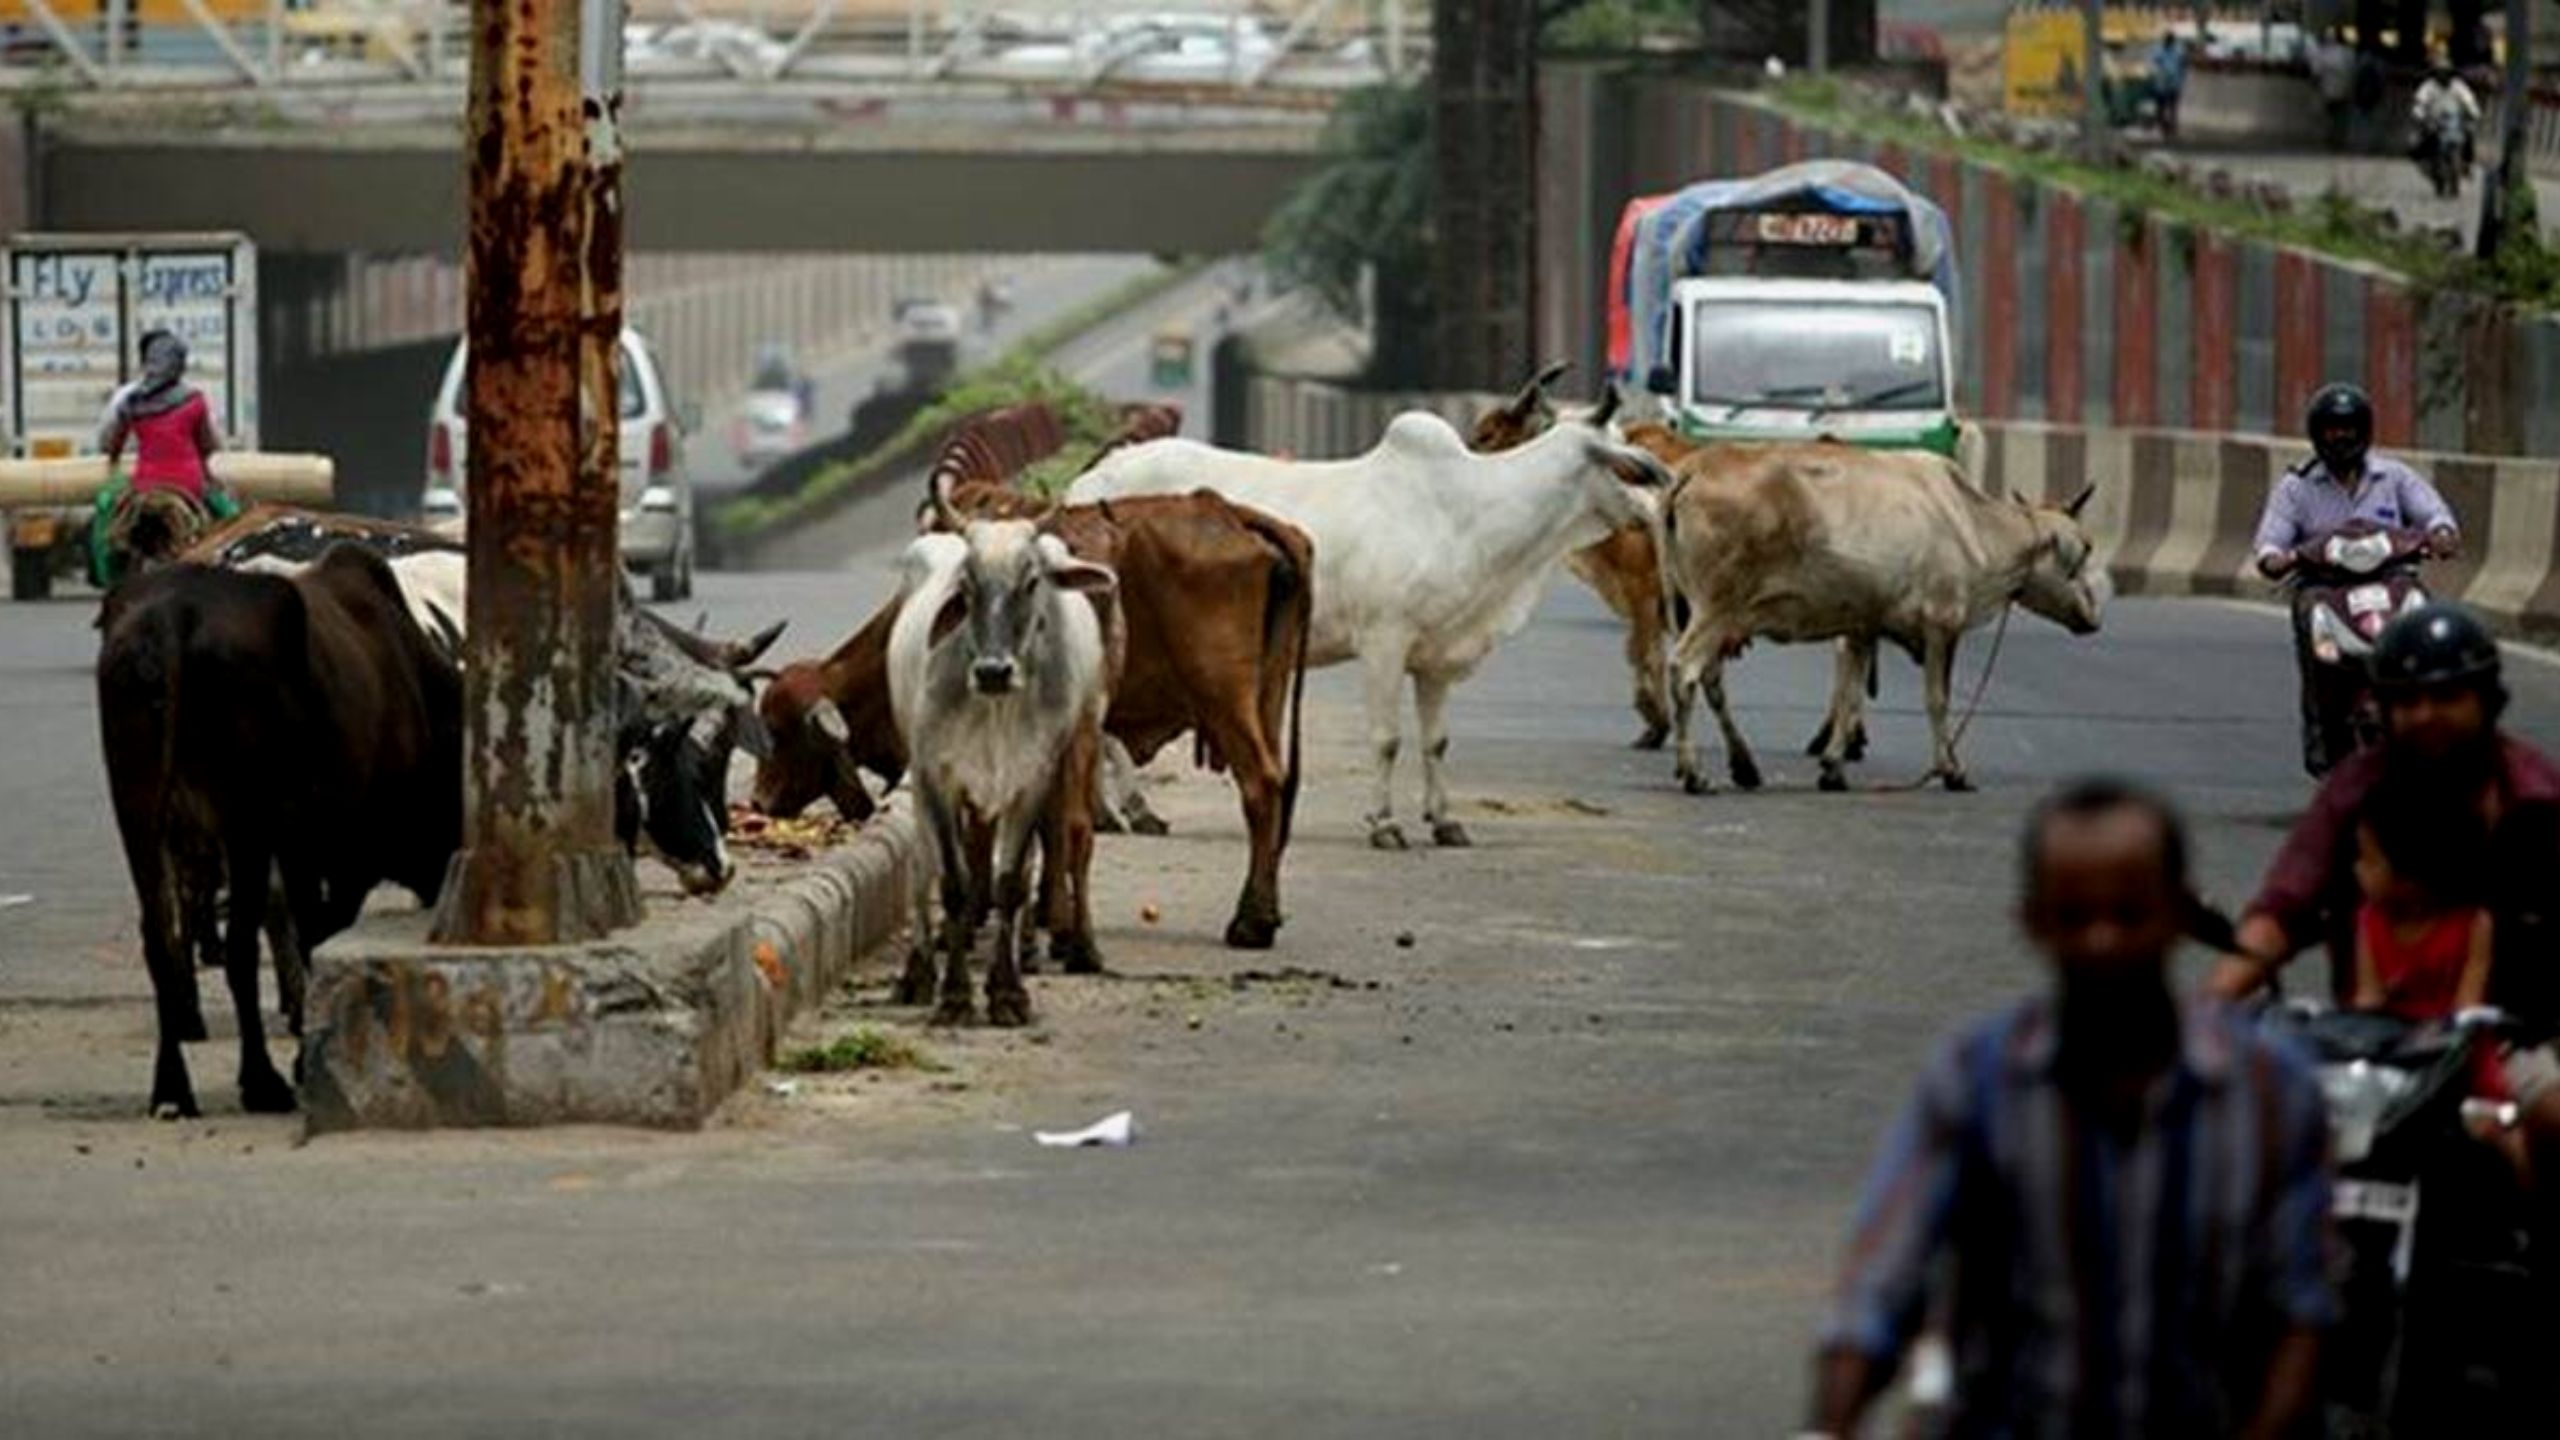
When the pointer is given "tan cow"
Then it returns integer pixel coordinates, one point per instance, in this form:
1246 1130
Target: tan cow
1825 541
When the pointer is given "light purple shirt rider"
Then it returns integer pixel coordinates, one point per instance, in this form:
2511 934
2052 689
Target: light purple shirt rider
2306 503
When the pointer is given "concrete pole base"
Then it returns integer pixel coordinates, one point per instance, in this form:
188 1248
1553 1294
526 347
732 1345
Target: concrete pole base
653 1026
591 894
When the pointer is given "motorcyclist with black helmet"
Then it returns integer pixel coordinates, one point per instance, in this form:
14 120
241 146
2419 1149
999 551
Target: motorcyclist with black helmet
2437 677
2342 482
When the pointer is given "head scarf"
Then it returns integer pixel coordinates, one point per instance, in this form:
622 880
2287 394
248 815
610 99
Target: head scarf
164 361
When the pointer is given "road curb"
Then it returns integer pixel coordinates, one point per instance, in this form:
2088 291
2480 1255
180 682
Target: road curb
655 1026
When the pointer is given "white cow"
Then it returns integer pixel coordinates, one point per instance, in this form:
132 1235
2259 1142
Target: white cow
998 666
1426 555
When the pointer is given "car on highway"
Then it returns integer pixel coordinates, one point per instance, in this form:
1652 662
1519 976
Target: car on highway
773 420
924 319
657 493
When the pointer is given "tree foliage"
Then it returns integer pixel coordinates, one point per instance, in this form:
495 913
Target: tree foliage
1365 213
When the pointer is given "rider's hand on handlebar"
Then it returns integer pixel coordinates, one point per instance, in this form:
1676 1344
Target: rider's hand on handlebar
2276 564
2443 544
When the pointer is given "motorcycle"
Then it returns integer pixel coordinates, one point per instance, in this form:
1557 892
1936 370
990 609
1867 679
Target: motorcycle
2440 1334
2348 585
2444 151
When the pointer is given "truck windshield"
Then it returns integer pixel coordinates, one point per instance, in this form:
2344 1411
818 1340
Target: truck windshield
1815 356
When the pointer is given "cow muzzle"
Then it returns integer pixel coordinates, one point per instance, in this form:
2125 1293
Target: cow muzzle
994 677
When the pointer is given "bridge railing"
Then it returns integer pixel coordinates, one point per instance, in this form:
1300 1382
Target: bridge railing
1223 47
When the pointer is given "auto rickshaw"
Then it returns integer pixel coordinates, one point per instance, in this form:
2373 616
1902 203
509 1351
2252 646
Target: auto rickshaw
1170 363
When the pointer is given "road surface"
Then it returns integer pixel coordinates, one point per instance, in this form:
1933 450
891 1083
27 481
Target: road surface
2390 181
1554 1136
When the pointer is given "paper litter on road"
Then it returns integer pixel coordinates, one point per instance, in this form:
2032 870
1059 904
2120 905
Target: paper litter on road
1111 1130
12 902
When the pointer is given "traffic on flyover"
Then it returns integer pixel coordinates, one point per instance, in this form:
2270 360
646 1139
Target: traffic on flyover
874 885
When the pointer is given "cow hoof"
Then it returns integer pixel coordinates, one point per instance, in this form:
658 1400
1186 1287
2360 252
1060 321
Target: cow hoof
1386 835
1832 780
1143 821
1010 1009
1857 744
1252 932
266 1094
1077 953
183 1108
1106 821
955 1011
1745 773
1450 835
1957 783
1697 784
1652 738
1030 961
915 987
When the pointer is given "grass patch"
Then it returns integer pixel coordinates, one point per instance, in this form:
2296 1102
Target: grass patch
2334 224
863 1049
1022 375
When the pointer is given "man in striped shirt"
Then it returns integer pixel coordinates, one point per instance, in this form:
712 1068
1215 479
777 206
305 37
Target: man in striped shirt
2121 1200
2343 482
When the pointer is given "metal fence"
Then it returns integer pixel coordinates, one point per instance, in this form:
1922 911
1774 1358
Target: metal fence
288 46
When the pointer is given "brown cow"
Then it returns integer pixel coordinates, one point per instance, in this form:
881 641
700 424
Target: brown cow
1625 569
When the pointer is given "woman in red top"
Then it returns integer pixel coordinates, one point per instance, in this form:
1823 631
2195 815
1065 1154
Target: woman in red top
167 420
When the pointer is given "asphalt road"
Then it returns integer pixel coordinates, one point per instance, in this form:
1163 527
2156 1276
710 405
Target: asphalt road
1575 1161
2390 181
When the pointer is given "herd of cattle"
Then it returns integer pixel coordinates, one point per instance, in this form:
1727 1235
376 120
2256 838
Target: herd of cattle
282 708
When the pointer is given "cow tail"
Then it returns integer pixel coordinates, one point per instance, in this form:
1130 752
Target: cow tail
1292 603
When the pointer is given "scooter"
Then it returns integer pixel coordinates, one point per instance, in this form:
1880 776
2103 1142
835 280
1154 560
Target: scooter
2441 1334
2444 150
2348 585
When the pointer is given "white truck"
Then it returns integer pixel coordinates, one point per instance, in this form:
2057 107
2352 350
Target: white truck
78 307
1811 301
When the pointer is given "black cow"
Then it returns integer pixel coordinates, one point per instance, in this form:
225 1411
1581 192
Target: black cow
301 727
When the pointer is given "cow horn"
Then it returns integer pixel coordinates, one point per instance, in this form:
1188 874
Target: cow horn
1533 393
1607 409
2080 501
944 517
1046 521
743 653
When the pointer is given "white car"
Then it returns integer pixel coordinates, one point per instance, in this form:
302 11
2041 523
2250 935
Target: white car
921 319
657 495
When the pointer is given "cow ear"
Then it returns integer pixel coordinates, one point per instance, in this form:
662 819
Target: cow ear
948 618
1632 466
831 723
1083 576
2080 501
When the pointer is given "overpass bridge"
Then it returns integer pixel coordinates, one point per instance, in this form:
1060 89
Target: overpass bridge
902 126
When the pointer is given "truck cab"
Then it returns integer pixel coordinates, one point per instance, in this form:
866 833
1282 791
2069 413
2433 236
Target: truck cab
1868 362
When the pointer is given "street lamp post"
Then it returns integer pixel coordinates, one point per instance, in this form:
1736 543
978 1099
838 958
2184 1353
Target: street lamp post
544 255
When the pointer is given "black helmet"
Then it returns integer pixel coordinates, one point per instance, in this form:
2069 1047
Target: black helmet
2439 643
2336 406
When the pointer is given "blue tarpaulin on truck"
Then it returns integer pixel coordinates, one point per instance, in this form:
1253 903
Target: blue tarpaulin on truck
1669 238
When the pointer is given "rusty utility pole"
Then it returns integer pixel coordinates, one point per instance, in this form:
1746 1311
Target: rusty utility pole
544 257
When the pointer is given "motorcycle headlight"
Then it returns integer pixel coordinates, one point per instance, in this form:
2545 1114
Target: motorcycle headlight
2358 1093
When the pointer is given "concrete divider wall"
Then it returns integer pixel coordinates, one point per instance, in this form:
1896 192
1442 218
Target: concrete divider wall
2175 509
2202 330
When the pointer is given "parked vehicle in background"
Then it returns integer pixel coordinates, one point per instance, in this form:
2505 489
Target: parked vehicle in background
78 306
657 494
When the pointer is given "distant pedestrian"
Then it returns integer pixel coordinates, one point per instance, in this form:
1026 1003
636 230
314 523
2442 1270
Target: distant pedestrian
2168 81
2132 1189
2333 73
